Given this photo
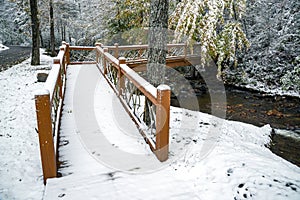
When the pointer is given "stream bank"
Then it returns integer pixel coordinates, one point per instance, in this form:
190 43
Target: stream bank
257 108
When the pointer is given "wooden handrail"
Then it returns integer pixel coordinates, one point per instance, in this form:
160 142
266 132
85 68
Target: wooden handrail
51 96
82 48
54 88
137 47
111 59
159 96
144 86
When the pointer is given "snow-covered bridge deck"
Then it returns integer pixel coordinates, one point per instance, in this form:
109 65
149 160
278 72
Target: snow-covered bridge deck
93 123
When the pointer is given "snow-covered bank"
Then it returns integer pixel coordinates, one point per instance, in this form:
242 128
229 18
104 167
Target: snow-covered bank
20 166
3 47
255 85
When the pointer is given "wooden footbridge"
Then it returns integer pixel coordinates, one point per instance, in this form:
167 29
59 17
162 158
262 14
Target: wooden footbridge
148 106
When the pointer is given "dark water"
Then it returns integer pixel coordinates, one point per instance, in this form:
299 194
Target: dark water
13 56
281 112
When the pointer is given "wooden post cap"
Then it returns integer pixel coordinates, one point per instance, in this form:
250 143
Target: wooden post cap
56 61
122 60
163 87
41 92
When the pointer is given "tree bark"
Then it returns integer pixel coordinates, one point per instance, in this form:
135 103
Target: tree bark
35 25
157 41
41 39
52 35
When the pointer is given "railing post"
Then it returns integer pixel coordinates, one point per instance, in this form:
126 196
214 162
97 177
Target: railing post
56 61
97 53
44 123
105 50
63 64
122 60
67 53
162 122
117 50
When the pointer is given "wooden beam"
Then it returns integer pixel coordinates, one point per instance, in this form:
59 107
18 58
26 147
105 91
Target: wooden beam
162 122
141 65
44 123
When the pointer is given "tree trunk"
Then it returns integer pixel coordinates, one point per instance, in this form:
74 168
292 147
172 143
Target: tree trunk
41 39
157 41
35 25
52 35
62 31
64 35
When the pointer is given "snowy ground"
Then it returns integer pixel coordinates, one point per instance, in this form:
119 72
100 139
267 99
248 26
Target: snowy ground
2 47
210 158
231 163
20 166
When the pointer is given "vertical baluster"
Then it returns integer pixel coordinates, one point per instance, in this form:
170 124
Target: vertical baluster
162 122
122 61
104 61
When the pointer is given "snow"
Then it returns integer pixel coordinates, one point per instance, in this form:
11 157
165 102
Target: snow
20 166
163 87
41 92
52 79
3 47
210 158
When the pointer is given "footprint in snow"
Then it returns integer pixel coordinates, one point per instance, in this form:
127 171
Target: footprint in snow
243 192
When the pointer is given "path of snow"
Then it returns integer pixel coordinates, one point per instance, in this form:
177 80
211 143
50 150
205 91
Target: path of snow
210 158
20 165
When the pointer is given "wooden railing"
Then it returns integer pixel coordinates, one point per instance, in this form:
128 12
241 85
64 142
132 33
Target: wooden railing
48 110
137 52
148 106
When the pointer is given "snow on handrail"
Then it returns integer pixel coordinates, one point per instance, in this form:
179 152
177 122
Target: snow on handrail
148 89
113 70
48 110
84 48
52 79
